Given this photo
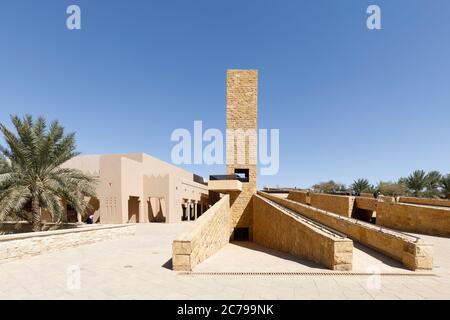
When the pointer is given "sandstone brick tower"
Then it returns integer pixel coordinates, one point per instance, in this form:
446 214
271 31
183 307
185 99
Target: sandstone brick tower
242 126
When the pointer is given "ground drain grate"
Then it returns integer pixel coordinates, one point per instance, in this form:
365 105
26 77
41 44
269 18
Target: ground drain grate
331 273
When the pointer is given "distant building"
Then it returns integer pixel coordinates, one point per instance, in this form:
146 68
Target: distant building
138 188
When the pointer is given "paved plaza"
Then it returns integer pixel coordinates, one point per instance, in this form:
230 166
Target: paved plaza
138 267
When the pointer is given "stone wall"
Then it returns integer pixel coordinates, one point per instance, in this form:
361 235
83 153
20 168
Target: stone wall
16 246
425 201
299 196
277 229
205 237
411 251
16 227
366 203
414 218
342 205
242 118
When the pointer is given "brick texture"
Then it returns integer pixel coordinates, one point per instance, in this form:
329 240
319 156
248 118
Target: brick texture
242 114
412 252
276 229
207 236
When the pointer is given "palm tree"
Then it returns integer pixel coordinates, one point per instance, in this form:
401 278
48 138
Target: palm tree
416 182
361 185
31 176
445 186
433 184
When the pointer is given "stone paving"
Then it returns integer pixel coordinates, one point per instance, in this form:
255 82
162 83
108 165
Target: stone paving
250 257
138 267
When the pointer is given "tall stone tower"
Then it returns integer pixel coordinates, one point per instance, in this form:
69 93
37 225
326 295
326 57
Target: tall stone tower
242 126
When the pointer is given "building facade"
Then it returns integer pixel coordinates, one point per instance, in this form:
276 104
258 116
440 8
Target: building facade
139 188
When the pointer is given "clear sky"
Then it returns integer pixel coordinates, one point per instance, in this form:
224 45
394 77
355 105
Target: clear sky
349 102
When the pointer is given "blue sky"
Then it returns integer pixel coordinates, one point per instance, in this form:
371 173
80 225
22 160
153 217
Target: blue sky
349 102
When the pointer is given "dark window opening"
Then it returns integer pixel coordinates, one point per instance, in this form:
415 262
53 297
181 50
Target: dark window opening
241 234
184 214
72 216
242 174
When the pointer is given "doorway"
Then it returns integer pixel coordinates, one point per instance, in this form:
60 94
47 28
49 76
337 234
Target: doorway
133 210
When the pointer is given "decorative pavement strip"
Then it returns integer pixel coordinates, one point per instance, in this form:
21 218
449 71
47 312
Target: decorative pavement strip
307 273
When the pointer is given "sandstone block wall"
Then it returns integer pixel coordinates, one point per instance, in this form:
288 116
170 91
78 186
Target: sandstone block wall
299 196
425 201
16 227
277 229
17 246
342 205
366 203
207 235
414 218
242 114
411 251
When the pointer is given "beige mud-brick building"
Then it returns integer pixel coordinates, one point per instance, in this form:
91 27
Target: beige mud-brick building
242 115
139 188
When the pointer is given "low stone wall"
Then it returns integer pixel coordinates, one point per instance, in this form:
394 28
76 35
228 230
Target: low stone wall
17 246
413 253
342 205
16 227
414 218
366 203
364 209
205 237
277 229
299 196
425 201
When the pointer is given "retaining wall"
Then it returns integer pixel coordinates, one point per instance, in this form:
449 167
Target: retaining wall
205 237
342 205
17 246
299 196
414 218
413 253
277 229
425 201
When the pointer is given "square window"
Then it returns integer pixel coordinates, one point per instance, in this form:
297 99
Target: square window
242 174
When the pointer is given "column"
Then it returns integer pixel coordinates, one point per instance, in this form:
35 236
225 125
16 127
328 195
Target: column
188 210
195 210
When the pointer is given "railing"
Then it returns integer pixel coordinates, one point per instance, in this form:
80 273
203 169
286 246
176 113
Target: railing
228 177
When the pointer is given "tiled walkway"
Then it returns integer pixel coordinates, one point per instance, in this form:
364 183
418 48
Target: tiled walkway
138 267
250 257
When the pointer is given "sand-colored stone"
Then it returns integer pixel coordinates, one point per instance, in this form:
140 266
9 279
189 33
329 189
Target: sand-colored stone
299 196
425 201
18 246
205 237
342 205
366 203
409 250
414 218
427 216
225 186
277 229
242 114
